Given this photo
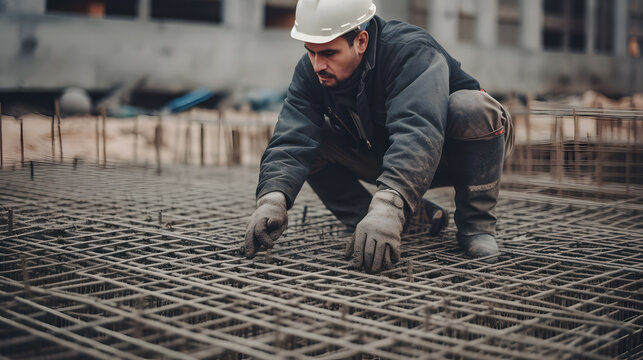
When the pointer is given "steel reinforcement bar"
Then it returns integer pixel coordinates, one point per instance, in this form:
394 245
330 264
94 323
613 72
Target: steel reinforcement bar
116 261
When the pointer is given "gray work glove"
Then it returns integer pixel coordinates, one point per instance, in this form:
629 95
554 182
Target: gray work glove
377 238
266 224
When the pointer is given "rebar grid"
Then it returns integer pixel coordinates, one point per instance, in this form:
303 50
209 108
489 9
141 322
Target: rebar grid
119 262
578 145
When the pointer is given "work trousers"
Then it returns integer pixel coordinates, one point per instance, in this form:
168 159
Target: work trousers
472 115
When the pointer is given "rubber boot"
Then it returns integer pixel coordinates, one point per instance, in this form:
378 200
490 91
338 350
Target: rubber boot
432 214
475 168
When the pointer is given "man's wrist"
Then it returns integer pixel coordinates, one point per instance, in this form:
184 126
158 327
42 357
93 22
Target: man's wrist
273 197
391 196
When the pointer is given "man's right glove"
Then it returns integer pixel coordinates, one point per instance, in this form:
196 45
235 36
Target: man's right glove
377 238
266 224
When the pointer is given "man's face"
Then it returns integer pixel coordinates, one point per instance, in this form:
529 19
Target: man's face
335 61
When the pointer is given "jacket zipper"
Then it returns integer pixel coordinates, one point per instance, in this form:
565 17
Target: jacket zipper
343 124
360 128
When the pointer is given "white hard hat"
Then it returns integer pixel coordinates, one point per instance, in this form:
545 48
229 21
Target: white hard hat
321 21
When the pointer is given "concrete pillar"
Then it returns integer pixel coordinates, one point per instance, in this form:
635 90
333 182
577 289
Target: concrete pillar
620 27
393 10
531 17
144 9
443 21
487 23
246 14
590 27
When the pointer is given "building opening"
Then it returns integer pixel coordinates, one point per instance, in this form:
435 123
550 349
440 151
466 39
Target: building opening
508 22
94 8
466 20
280 13
187 10
564 28
635 31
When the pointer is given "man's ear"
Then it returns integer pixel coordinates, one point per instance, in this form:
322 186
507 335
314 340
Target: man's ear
361 42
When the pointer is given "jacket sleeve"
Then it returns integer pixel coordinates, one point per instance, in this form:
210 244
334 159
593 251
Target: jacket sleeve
286 161
417 99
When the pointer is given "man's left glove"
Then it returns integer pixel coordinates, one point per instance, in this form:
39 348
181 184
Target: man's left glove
377 238
266 224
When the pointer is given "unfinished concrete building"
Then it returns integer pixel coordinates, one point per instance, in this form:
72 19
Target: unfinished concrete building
522 46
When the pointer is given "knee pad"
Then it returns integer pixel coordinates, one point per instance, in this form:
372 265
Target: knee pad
474 115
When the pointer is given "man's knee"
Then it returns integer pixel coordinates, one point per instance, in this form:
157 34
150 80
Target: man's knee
474 115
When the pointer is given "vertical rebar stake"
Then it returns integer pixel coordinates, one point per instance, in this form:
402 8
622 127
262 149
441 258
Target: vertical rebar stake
60 135
104 116
10 221
25 275
303 215
31 169
553 151
157 147
528 145
160 218
53 134
628 158
22 145
97 142
599 153
577 153
344 311
202 144
188 143
409 272
136 139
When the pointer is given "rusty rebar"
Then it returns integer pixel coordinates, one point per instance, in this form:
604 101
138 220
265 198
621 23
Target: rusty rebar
60 135
108 280
22 144
97 137
202 144
53 134
103 113
157 147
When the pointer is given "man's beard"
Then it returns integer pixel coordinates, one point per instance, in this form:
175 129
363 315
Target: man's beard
331 76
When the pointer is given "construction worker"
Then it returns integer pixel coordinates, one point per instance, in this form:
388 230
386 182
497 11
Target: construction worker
381 102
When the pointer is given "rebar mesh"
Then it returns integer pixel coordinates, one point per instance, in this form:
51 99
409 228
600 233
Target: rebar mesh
119 262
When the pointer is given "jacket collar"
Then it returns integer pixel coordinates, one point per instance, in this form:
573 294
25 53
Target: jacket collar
371 50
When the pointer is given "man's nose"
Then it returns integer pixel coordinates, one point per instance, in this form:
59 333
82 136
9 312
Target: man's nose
319 64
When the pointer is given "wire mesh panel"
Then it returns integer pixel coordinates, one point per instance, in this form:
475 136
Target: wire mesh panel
579 145
119 262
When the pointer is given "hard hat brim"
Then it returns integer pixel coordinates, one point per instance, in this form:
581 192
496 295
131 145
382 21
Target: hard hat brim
315 39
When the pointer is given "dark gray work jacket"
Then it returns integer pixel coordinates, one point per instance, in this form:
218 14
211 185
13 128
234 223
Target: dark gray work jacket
402 104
